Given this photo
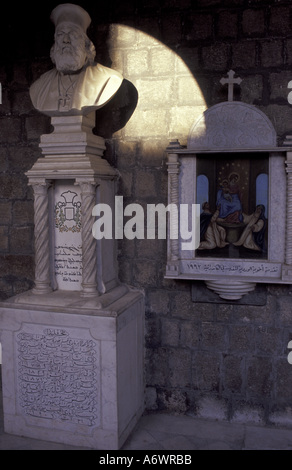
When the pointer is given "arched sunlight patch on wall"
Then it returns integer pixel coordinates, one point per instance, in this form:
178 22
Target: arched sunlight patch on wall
169 98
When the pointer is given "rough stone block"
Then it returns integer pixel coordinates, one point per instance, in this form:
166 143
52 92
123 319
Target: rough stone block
10 130
280 20
36 126
241 338
227 24
252 89
216 56
145 273
189 335
233 374
253 22
156 367
284 308
181 119
259 379
12 186
283 379
153 331
214 336
152 153
180 361
212 408
145 184
189 92
171 29
272 53
5 212
162 61
123 36
279 85
158 301
198 27
280 115
181 306
174 401
206 371
248 413
21 266
22 240
147 123
268 340
151 399
21 103
4 239
5 292
21 158
244 55
3 159
157 92
170 332
137 62
23 213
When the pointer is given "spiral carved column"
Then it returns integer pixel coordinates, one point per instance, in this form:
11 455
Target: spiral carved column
42 238
173 172
288 254
89 261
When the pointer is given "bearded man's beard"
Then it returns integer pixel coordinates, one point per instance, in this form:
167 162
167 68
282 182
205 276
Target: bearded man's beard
69 59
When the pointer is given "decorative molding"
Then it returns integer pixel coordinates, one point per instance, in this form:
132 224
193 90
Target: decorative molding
233 290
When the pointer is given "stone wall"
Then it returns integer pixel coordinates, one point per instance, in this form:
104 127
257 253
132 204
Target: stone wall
223 361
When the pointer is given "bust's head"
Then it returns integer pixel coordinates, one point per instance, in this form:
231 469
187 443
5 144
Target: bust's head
72 49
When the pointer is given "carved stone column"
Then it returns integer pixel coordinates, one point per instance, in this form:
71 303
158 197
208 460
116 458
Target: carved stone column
42 238
89 261
173 190
288 244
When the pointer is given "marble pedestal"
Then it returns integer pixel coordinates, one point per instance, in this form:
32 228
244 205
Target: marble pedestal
73 367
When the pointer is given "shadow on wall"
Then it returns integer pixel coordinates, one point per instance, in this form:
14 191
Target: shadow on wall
114 115
170 99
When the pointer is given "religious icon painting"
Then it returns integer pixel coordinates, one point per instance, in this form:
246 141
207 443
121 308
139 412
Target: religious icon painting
232 190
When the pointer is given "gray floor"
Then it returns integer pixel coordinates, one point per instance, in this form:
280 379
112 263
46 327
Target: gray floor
176 433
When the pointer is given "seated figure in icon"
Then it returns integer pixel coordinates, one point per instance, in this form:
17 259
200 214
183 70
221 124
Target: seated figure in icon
212 235
229 200
253 236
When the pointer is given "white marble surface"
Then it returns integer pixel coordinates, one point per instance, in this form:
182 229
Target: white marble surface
77 85
67 236
73 378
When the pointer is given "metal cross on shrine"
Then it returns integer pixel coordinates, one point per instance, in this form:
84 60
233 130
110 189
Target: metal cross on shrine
231 81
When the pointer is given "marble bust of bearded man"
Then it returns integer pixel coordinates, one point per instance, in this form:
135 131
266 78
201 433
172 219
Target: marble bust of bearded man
77 85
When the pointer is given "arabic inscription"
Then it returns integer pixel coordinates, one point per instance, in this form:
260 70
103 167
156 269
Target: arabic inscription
57 376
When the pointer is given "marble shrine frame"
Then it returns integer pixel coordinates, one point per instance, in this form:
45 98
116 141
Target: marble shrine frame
227 137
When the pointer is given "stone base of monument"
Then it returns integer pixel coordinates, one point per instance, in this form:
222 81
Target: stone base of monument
72 367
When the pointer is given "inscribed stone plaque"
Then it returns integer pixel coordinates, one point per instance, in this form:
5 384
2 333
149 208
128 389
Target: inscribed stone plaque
68 242
58 372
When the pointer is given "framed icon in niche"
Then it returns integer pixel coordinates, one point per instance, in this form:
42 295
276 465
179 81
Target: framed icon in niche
233 193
